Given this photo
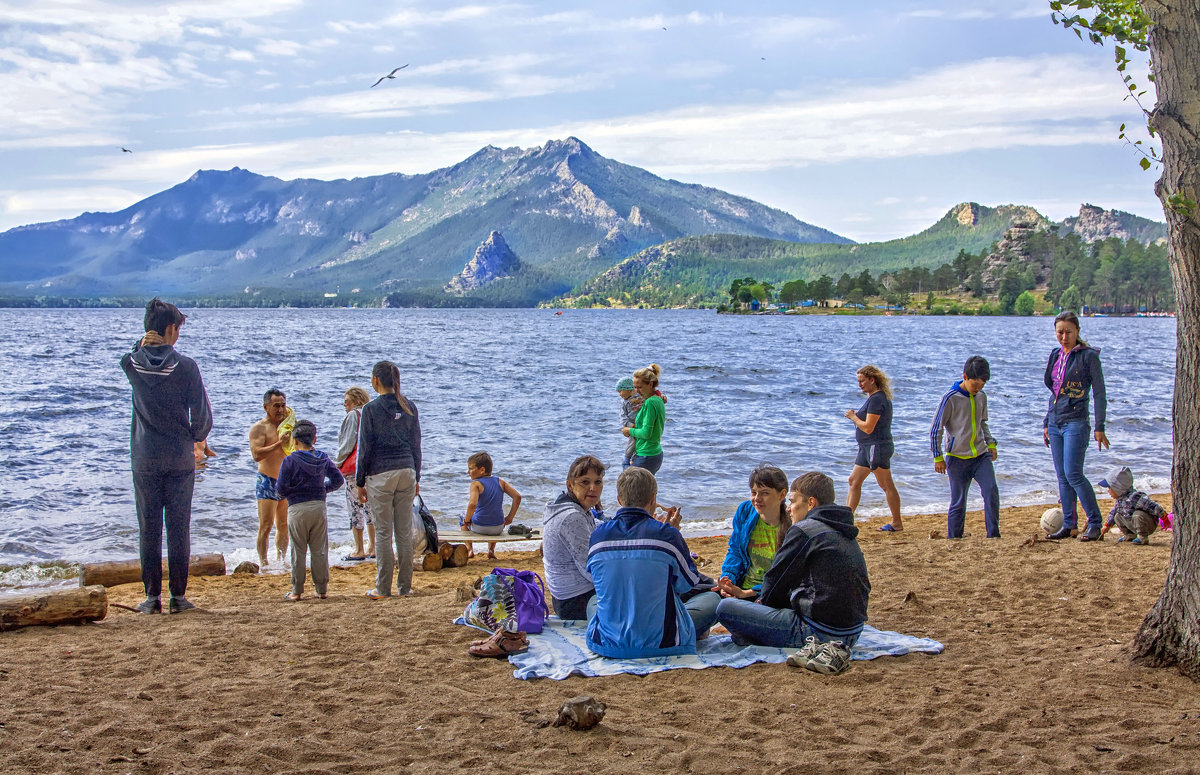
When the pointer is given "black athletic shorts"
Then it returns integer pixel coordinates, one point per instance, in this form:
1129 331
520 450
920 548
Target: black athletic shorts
877 454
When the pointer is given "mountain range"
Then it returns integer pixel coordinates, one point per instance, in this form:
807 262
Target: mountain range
504 227
565 211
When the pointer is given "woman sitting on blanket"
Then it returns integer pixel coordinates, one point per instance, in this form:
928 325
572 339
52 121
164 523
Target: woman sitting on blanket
759 526
566 532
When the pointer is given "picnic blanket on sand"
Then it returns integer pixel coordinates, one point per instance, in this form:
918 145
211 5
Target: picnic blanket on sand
560 650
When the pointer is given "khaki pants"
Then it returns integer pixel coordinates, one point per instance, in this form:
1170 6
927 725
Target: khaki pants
390 495
1139 523
308 531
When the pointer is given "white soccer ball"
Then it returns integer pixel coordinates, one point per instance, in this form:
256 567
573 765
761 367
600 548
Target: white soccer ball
1052 520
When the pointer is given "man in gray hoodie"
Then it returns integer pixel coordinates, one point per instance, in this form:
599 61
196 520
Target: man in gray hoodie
170 414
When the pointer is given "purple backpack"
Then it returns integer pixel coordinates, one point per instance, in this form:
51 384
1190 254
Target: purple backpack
529 597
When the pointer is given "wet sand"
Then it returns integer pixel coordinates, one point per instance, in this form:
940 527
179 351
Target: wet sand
1035 678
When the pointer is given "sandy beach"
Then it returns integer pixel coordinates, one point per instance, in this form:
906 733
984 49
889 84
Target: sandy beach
1035 677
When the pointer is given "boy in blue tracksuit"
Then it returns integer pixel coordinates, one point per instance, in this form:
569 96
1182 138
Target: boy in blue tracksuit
970 448
641 568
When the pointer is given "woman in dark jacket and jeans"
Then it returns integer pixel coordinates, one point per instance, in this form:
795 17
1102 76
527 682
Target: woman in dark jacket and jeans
1073 372
388 476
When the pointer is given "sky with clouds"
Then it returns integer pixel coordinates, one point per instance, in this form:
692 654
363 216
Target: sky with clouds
870 118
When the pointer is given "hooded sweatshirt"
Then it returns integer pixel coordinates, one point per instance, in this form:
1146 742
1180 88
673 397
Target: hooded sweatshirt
820 573
964 418
307 475
170 409
1081 375
566 535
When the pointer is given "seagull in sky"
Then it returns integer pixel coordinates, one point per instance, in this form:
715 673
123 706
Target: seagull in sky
126 150
389 75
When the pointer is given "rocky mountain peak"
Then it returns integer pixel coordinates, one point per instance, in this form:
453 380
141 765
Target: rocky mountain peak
1095 223
492 261
966 213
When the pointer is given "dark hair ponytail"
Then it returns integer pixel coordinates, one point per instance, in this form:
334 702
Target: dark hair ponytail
388 375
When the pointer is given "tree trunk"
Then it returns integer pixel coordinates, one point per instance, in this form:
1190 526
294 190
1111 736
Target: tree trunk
71 606
1170 634
110 574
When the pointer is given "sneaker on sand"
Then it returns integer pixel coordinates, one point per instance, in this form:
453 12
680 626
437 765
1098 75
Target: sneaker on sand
151 605
1142 541
832 658
179 605
809 650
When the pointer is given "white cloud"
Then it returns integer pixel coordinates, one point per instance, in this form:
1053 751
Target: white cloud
56 203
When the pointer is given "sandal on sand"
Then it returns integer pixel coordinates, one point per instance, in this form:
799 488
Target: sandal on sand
322 595
374 595
502 644
291 597
889 529
353 558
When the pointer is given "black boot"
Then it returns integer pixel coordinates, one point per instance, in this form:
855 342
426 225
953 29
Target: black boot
1063 532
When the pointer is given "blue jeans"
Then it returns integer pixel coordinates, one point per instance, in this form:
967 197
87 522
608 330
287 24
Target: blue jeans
1068 445
649 462
164 497
754 624
961 472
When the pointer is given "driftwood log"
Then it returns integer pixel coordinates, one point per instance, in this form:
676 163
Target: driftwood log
69 606
110 574
453 555
432 561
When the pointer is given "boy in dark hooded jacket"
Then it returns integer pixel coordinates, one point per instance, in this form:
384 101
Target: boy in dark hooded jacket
305 478
170 414
815 594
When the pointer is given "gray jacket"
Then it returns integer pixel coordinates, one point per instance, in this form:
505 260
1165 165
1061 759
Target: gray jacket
963 417
566 538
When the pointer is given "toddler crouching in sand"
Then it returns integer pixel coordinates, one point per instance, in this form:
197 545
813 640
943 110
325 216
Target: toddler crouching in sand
305 478
1134 512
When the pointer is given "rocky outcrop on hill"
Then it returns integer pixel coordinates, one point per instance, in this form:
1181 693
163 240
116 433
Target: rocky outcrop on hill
1014 248
492 261
1095 223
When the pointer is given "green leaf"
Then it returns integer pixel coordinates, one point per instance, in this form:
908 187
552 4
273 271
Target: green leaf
1145 164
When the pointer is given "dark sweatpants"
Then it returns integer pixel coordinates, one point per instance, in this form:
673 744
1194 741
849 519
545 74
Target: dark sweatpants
961 472
164 496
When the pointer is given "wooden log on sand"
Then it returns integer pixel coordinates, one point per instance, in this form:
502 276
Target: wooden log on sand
69 606
110 574
453 555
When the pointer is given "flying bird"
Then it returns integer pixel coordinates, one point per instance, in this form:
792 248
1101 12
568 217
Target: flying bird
389 75
126 150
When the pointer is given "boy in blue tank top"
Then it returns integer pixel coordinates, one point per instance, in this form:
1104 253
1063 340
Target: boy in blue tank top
485 506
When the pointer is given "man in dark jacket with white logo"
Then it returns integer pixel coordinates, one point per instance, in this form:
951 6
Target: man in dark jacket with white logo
815 593
170 414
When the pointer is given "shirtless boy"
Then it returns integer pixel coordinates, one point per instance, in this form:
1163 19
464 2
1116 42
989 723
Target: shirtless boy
266 447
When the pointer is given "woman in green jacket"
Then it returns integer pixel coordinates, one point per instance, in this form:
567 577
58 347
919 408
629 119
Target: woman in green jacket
648 427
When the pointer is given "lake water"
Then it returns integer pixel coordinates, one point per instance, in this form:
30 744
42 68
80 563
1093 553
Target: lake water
535 390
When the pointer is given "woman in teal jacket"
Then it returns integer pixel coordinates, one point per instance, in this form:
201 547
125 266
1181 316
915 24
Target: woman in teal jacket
648 428
758 529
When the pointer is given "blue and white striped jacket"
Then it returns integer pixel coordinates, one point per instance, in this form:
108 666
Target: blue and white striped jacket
640 567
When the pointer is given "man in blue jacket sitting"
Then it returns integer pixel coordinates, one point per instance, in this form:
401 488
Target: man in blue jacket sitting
641 567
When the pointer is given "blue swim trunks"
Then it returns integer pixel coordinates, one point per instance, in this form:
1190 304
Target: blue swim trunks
265 488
